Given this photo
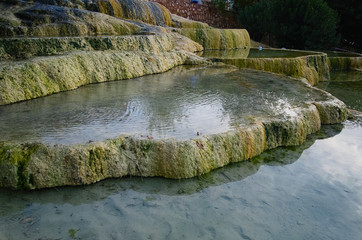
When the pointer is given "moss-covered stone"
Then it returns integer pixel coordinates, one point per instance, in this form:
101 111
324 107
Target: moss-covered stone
15 160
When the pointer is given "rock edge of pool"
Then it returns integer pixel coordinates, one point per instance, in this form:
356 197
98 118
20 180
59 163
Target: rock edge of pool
37 165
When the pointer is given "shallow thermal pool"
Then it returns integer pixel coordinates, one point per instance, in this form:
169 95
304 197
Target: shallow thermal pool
346 86
312 191
254 53
342 54
177 104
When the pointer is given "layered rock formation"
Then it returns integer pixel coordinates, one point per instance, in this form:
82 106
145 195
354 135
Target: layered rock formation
345 63
52 46
312 66
37 165
49 46
211 38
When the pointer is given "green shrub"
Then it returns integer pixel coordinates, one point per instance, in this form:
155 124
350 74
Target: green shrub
351 19
298 24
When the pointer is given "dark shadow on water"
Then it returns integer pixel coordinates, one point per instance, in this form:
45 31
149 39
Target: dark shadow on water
99 191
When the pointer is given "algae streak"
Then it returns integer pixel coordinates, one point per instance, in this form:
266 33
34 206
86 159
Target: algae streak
212 38
345 63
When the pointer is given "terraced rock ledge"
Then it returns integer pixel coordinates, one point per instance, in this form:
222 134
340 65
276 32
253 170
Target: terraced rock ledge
50 46
312 66
344 61
38 165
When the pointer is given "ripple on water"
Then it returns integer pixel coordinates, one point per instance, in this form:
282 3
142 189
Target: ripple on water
175 104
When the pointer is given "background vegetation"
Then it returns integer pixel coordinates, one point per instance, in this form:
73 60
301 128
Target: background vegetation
301 24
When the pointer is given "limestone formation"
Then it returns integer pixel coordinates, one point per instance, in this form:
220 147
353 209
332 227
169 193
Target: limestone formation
44 76
23 48
52 46
37 165
212 38
345 63
49 46
39 20
313 68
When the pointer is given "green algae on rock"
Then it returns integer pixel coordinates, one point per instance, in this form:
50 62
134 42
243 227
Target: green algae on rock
41 165
213 38
345 63
21 48
311 66
49 166
86 38
41 76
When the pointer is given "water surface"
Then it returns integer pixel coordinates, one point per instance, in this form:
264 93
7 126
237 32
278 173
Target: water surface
312 191
254 53
176 104
347 86
341 54
306 192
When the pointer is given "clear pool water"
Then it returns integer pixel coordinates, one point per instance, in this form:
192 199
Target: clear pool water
311 191
254 53
175 104
342 54
347 86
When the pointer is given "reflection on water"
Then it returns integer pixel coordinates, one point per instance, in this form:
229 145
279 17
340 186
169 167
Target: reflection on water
178 103
341 54
306 192
347 86
254 53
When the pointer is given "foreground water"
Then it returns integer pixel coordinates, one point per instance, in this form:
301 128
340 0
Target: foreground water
180 103
306 192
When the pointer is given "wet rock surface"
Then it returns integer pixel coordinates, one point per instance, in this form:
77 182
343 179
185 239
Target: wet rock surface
38 164
50 46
